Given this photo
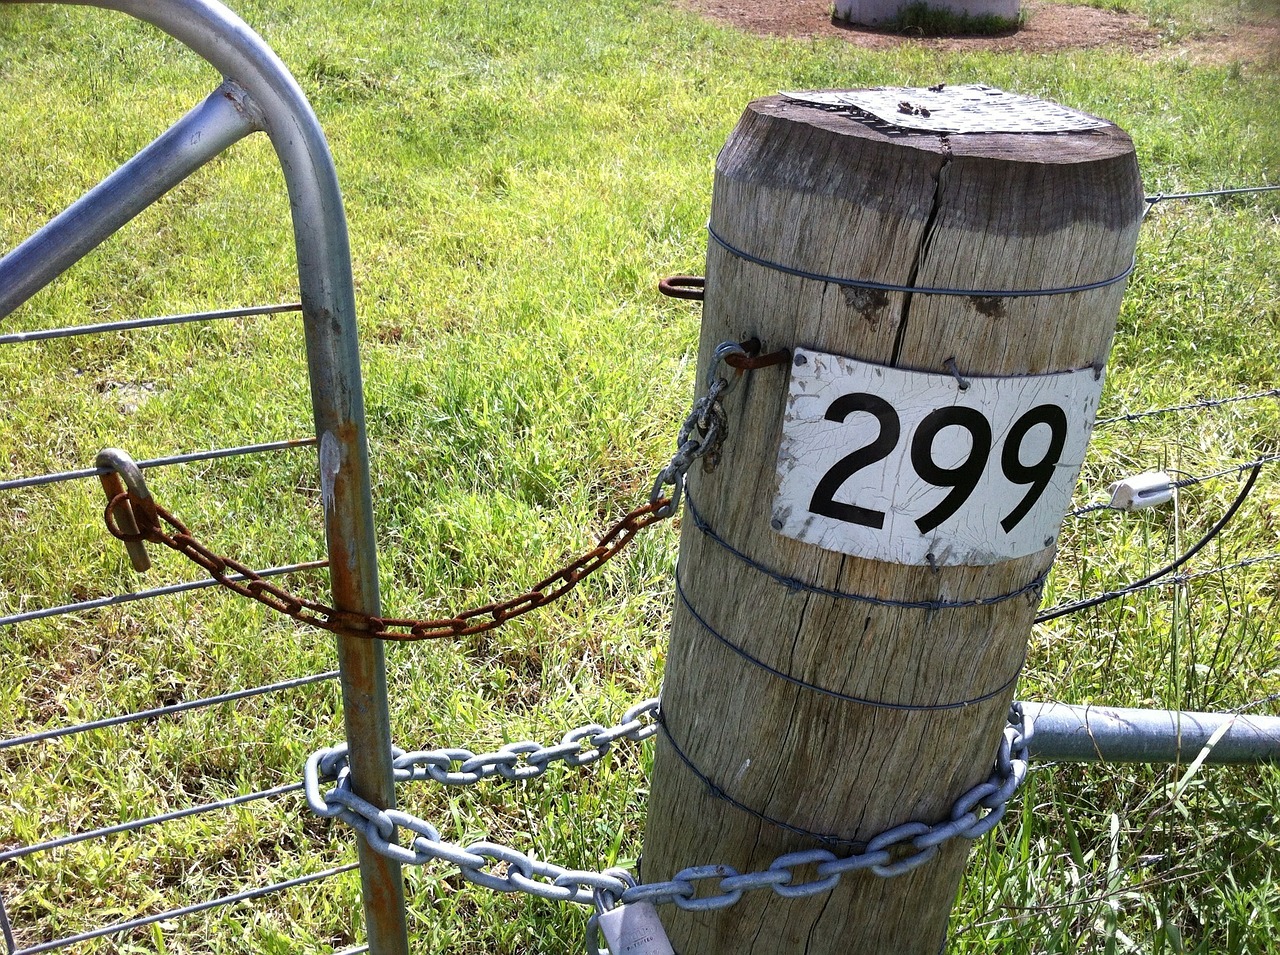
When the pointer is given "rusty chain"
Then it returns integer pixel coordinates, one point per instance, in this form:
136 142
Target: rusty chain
700 437
241 579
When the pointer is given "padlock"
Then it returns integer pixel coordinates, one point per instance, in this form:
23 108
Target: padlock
634 929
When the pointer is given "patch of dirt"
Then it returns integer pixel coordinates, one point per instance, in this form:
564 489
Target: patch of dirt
1049 27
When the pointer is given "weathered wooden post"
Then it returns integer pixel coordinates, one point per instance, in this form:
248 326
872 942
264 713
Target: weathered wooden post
853 611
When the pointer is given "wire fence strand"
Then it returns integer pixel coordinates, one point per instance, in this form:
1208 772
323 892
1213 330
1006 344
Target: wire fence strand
1208 194
165 591
190 458
136 824
1062 610
159 711
246 896
132 324
1189 406
1181 483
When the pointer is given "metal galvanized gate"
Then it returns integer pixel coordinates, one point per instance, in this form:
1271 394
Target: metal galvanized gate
259 94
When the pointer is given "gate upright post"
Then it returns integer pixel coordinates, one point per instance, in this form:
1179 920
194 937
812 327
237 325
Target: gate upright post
333 361
851 612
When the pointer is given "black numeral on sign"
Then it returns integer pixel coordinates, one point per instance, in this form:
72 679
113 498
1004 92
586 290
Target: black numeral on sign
962 479
824 495
1038 475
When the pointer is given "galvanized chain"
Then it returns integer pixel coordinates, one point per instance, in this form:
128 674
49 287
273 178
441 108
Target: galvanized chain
894 852
520 760
701 434
133 516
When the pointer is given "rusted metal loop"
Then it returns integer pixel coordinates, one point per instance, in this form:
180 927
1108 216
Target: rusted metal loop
164 528
283 602
692 288
181 530
750 358
117 515
349 621
197 553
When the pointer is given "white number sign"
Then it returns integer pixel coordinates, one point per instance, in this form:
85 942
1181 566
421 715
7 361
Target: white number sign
907 467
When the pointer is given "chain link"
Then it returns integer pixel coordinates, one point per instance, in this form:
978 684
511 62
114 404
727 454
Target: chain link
524 759
243 580
895 851
703 431
520 760
700 437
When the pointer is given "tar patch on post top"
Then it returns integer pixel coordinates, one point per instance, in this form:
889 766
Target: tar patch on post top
911 468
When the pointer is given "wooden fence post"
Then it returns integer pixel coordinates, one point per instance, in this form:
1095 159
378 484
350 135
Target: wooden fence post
835 726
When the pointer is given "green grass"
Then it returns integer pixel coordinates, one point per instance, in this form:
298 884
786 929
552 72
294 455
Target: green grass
515 189
1191 19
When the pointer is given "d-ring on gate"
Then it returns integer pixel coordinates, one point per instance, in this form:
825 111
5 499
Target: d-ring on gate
259 94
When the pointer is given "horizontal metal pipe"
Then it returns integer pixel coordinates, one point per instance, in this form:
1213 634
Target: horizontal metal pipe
1119 735
224 118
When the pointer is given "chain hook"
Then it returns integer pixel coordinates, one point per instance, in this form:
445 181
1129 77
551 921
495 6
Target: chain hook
127 501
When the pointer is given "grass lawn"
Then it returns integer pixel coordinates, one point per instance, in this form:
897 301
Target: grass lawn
517 178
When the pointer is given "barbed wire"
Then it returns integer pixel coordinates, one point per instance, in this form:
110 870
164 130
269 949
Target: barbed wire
1189 406
1188 578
